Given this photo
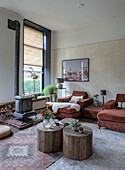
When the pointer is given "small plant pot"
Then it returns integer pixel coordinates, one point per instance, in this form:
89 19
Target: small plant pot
81 130
74 128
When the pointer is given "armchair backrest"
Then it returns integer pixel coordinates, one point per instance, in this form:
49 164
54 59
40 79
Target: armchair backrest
80 93
120 98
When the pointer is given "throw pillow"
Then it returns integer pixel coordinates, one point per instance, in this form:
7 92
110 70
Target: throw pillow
75 99
121 105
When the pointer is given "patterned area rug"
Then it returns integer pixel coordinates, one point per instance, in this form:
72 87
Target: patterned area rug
19 152
108 152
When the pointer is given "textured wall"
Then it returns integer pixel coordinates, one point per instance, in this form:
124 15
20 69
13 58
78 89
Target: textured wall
7 56
107 67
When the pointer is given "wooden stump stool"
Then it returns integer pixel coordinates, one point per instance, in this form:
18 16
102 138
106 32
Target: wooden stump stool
77 145
49 140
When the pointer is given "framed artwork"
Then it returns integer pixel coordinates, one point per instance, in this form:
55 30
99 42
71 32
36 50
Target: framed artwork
76 70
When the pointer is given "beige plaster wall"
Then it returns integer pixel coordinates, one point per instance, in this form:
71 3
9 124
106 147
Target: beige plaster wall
7 56
107 67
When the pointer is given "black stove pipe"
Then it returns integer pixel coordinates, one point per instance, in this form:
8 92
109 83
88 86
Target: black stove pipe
15 25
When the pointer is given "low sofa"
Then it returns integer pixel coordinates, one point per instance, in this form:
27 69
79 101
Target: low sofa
68 112
112 116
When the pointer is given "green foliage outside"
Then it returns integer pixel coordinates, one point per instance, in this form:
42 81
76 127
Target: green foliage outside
29 86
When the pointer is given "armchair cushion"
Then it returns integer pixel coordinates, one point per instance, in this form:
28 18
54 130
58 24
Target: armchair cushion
85 102
80 93
110 104
67 110
113 115
65 99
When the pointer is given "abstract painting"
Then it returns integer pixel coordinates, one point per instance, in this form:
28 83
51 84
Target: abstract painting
76 70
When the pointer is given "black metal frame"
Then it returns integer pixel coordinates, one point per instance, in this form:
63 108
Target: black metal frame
15 25
76 59
46 69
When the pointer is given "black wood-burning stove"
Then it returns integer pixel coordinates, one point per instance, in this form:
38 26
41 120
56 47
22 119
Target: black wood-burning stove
23 107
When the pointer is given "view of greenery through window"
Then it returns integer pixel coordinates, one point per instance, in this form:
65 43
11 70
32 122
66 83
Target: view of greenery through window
29 86
32 79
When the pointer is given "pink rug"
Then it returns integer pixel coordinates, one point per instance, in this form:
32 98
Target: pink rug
17 123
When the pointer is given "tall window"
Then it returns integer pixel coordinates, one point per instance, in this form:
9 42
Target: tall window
33 60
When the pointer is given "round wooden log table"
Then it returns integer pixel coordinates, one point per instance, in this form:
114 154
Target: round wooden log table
49 139
77 145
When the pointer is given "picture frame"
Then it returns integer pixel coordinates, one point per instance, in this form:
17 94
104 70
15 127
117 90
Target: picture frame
76 70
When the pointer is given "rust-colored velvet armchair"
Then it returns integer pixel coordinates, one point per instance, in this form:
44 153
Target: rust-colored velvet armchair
111 116
68 112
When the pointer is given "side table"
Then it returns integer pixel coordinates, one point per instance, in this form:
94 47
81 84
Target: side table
77 145
91 111
49 140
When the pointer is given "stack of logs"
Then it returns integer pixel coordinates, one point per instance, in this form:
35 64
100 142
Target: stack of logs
7 109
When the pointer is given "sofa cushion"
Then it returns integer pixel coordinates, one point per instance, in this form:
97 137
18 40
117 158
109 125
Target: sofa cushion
110 104
67 110
80 93
114 115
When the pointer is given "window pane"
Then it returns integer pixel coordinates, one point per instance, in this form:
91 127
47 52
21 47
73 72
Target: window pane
32 56
33 37
32 85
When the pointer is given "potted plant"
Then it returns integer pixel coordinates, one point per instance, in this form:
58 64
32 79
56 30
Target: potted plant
96 100
81 129
46 115
75 124
49 90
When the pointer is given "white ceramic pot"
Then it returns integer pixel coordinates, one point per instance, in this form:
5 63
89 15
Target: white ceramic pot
74 128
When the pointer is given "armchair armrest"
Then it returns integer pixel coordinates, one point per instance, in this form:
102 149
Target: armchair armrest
65 99
110 104
85 102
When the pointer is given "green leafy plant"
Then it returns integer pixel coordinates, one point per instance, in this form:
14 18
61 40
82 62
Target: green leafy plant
50 89
75 123
96 100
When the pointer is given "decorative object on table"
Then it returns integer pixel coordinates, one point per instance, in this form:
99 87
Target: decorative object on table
34 77
81 129
57 123
67 121
47 115
103 93
59 82
50 90
75 124
76 70
96 100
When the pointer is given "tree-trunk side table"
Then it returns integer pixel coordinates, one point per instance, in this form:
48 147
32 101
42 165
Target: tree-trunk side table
77 145
49 140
